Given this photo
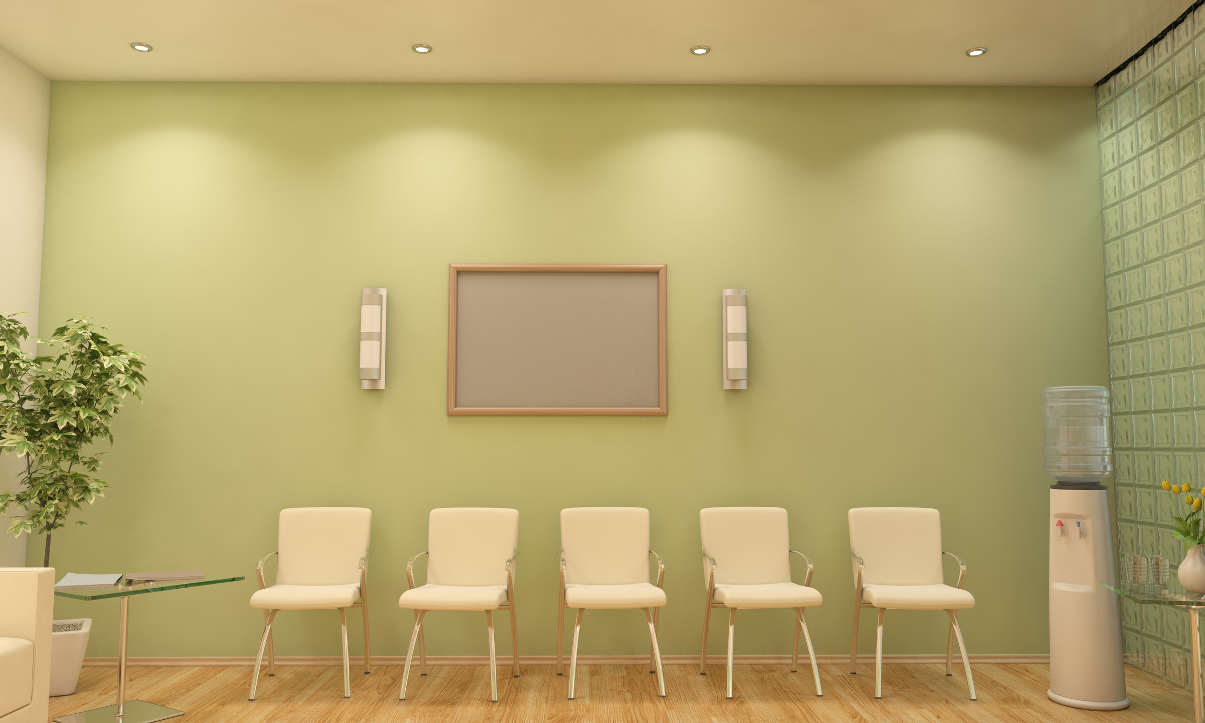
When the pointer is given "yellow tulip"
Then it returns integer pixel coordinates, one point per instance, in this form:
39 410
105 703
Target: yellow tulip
1188 500
1175 489
1166 486
1196 504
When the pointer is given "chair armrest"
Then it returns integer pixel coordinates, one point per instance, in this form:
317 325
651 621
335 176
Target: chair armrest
710 569
858 564
962 568
807 578
410 567
259 568
510 578
660 567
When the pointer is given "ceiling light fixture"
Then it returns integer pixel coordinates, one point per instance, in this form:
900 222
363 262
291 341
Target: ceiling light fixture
421 48
141 47
700 50
976 52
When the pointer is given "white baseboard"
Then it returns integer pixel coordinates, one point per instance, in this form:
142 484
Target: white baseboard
334 660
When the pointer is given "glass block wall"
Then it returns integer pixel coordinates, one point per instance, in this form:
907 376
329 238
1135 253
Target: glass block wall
1152 187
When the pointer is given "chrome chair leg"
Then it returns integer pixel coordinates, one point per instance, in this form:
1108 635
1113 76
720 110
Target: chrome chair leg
346 660
418 627
271 650
731 630
514 641
422 653
962 648
577 629
706 625
648 616
853 642
878 657
949 648
795 645
560 631
807 638
263 642
489 622
367 645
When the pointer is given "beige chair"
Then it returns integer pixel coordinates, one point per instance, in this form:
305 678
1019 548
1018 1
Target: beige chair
897 560
604 566
747 566
322 564
470 566
26 614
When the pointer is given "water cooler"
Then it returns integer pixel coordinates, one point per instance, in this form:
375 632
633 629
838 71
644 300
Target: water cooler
1085 624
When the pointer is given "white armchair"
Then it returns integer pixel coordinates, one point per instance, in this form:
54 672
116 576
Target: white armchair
747 566
322 564
470 566
897 562
604 566
25 619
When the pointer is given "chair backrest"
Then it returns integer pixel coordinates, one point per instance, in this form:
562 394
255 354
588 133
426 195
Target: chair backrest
605 545
750 545
470 545
322 545
898 545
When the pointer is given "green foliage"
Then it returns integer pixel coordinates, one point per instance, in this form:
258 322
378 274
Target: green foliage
1189 529
52 408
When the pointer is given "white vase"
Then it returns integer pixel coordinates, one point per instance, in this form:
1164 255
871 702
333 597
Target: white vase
1192 571
68 642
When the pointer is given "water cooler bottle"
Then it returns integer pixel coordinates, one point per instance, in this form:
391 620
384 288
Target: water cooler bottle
1085 625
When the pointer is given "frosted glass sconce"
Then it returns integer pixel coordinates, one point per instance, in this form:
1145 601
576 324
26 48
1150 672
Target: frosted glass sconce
372 338
735 321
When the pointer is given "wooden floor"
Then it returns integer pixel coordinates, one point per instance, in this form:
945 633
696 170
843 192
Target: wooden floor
919 692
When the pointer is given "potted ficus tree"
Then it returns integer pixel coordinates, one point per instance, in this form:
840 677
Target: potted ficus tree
53 409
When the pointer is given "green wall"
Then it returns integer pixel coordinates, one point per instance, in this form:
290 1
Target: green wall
920 263
1152 190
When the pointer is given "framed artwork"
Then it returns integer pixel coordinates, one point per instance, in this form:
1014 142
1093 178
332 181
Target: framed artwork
556 339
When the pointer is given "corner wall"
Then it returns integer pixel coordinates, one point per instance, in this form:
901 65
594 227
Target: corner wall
1153 186
25 100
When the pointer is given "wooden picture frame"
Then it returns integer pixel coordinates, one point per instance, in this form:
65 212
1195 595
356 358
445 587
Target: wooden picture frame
488 372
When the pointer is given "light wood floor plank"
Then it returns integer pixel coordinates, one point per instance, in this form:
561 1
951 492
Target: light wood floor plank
921 692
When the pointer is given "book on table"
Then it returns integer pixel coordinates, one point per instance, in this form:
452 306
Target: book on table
77 579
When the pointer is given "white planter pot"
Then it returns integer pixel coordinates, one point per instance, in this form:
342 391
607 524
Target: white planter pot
1192 571
68 642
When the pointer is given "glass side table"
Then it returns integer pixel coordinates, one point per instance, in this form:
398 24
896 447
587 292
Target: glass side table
1173 594
134 711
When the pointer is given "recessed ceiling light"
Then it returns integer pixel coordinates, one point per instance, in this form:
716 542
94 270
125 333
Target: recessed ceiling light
976 52
421 48
700 50
141 46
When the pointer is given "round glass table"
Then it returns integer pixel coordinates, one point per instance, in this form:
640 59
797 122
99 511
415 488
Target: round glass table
1175 595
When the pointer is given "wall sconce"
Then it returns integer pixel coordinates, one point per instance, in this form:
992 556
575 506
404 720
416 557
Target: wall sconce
372 338
736 338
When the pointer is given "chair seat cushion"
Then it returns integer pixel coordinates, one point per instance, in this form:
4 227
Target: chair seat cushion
453 597
618 597
770 595
306 597
918 597
16 674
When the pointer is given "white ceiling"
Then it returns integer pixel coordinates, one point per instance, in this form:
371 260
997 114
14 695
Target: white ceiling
1046 42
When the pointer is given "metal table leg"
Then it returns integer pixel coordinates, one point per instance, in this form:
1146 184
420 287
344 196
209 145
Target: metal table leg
136 711
1194 627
